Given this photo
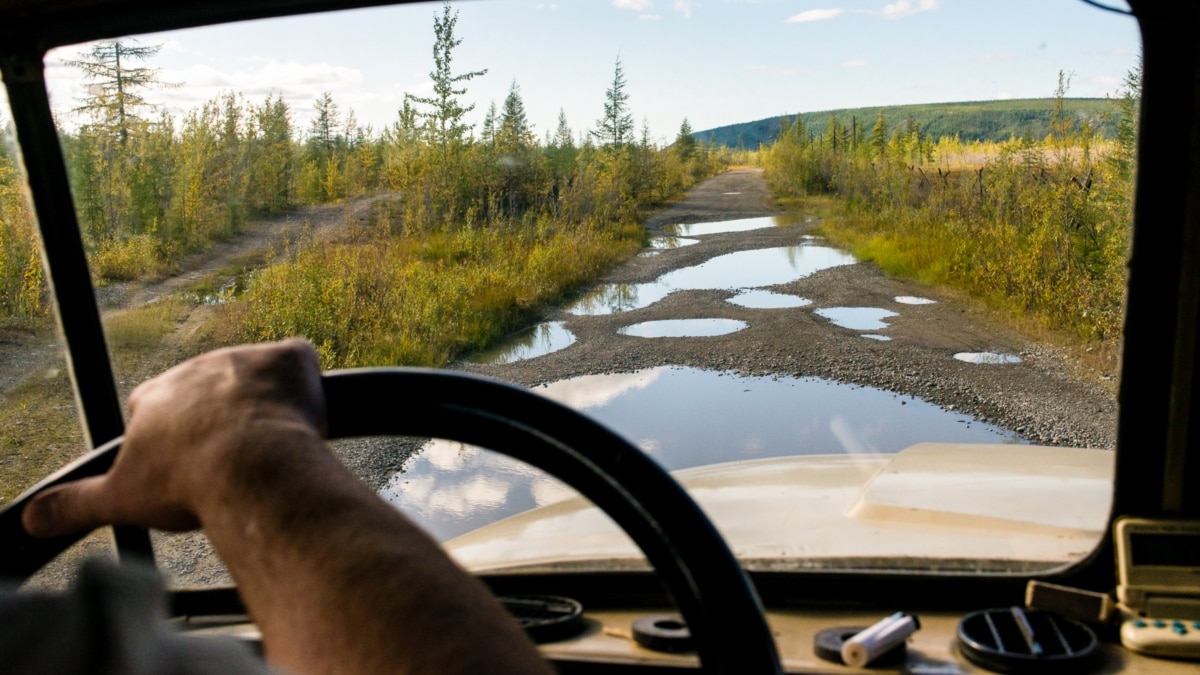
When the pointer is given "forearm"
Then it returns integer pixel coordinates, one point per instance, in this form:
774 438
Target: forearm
337 580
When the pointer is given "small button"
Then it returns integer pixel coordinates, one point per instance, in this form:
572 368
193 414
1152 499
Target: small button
1179 628
1159 623
1196 625
1138 623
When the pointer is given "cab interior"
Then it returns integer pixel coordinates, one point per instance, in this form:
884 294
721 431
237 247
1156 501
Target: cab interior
1157 462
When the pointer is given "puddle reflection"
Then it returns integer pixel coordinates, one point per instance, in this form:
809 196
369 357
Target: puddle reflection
682 417
542 339
991 358
744 269
857 318
881 338
914 300
724 226
683 328
671 242
761 299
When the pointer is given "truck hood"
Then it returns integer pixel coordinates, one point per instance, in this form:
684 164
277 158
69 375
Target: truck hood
939 506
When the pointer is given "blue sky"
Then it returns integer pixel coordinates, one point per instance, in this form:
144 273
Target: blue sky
715 62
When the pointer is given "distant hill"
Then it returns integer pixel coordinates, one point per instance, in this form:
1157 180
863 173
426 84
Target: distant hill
972 120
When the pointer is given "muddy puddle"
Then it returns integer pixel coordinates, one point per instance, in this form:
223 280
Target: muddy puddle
733 271
542 339
726 226
683 328
913 300
683 417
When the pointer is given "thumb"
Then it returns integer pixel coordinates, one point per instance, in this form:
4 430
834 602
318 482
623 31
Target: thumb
73 508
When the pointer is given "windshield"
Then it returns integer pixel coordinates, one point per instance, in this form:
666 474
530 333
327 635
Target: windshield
854 272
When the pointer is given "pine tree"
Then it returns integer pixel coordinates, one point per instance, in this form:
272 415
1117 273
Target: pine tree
615 128
445 119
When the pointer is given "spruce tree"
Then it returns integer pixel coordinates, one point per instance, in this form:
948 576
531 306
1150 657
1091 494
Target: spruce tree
615 128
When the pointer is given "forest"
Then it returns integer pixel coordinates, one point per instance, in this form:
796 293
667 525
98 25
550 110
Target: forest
501 215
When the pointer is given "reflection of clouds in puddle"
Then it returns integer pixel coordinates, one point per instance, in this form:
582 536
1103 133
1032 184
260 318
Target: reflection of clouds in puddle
740 270
726 226
881 338
857 318
683 328
547 490
763 299
593 391
988 358
913 300
682 418
448 455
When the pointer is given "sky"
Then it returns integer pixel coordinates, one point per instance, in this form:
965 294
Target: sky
715 62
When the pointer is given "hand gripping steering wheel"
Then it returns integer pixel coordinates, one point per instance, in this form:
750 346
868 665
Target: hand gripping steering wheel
711 590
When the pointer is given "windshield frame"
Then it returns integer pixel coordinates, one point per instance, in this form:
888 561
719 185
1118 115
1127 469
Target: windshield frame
1157 353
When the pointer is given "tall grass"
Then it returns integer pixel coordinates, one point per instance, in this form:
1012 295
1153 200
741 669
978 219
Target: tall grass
422 300
1040 228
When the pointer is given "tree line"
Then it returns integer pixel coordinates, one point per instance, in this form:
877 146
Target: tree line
150 187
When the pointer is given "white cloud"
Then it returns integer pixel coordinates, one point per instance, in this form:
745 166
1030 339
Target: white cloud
547 6
1004 95
814 15
684 7
853 63
635 5
905 8
1119 51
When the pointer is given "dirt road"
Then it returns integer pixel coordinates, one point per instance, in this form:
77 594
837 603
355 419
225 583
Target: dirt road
1042 398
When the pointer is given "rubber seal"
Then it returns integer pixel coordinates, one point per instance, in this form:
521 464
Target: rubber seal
663 633
827 645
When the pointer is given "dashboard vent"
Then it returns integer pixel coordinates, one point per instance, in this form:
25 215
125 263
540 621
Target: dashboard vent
1015 640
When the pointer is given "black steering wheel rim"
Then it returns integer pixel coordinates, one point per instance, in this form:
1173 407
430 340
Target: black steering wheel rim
706 582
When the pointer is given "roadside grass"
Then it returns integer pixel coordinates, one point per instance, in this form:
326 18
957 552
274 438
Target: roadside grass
39 431
236 270
930 260
425 298
142 328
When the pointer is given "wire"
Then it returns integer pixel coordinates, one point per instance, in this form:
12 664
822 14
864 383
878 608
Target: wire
1110 8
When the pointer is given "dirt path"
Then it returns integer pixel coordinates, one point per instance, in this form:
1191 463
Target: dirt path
1040 398
25 353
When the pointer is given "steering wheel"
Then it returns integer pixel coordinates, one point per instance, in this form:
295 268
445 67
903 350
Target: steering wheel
707 584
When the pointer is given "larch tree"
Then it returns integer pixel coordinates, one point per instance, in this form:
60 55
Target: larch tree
116 83
444 118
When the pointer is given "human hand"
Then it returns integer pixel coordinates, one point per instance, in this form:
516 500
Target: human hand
190 429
